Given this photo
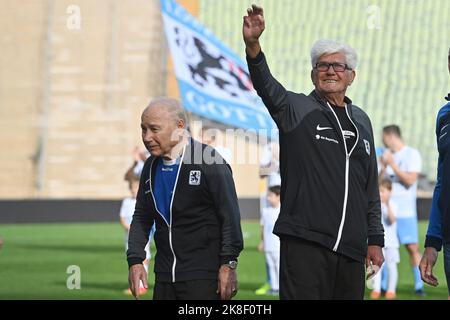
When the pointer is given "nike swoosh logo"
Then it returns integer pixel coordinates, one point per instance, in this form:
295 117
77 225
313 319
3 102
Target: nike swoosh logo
319 128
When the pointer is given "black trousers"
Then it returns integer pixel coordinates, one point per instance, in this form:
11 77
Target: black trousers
309 271
186 290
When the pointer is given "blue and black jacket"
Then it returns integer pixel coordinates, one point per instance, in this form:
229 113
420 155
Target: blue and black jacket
204 229
439 227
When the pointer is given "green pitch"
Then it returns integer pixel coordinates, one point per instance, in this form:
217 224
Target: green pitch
35 258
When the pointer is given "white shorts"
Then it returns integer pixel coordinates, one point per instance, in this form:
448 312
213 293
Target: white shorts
391 255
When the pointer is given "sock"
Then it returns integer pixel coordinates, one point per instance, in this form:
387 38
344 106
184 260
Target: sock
384 279
418 284
393 276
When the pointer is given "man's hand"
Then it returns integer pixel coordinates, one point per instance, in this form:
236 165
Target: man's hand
387 158
426 266
252 29
135 275
227 285
374 260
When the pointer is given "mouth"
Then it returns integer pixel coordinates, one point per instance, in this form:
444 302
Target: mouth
330 81
151 147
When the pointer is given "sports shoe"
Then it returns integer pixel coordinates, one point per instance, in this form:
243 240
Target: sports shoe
128 292
272 292
142 291
375 295
390 295
263 289
420 293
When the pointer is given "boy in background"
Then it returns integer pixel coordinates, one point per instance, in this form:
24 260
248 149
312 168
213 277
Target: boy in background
126 216
391 244
270 243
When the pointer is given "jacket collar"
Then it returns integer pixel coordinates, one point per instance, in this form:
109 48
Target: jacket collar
447 97
323 101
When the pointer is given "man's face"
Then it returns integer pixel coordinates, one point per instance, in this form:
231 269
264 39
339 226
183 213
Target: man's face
387 140
330 81
159 131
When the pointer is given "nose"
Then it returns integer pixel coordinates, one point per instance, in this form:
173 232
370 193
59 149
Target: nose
147 136
330 70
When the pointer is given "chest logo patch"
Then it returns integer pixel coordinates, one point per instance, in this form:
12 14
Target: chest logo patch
367 145
194 177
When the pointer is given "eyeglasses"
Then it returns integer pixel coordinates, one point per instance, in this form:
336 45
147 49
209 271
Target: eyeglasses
338 67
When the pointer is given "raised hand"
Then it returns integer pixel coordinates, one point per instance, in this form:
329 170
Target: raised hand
252 29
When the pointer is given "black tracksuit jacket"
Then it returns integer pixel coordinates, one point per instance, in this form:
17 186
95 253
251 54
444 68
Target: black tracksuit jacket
329 194
205 229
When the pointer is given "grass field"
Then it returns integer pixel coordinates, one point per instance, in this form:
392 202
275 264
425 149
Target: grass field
35 257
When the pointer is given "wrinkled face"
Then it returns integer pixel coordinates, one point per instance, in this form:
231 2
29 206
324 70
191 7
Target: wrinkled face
385 193
160 132
332 81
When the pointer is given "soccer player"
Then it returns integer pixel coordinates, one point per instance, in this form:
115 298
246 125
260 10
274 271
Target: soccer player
403 164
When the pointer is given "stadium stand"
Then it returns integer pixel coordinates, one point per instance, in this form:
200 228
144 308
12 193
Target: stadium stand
401 77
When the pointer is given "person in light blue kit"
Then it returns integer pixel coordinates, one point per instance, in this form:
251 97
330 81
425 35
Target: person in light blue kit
438 233
402 164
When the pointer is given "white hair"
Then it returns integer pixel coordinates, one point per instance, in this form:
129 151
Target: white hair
325 46
173 106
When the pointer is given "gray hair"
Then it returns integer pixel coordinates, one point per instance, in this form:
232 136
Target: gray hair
325 46
173 106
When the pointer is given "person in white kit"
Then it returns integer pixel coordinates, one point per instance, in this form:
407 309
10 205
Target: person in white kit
391 244
402 164
269 174
270 243
126 216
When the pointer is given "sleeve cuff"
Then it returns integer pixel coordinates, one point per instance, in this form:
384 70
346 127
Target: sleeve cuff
226 259
435 242
133 261
257 59
377 240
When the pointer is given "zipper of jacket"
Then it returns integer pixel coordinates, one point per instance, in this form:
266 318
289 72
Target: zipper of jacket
347 169
169 225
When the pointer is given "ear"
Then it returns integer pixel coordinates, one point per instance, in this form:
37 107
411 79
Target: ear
352 77
180 124
313 77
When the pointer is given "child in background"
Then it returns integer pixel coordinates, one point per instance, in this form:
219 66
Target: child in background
126 216
391 244
270 243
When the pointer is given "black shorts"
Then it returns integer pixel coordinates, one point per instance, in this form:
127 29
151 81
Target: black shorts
186 290
309 270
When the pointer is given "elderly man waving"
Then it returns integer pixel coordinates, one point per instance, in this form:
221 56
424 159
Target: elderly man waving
330 223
